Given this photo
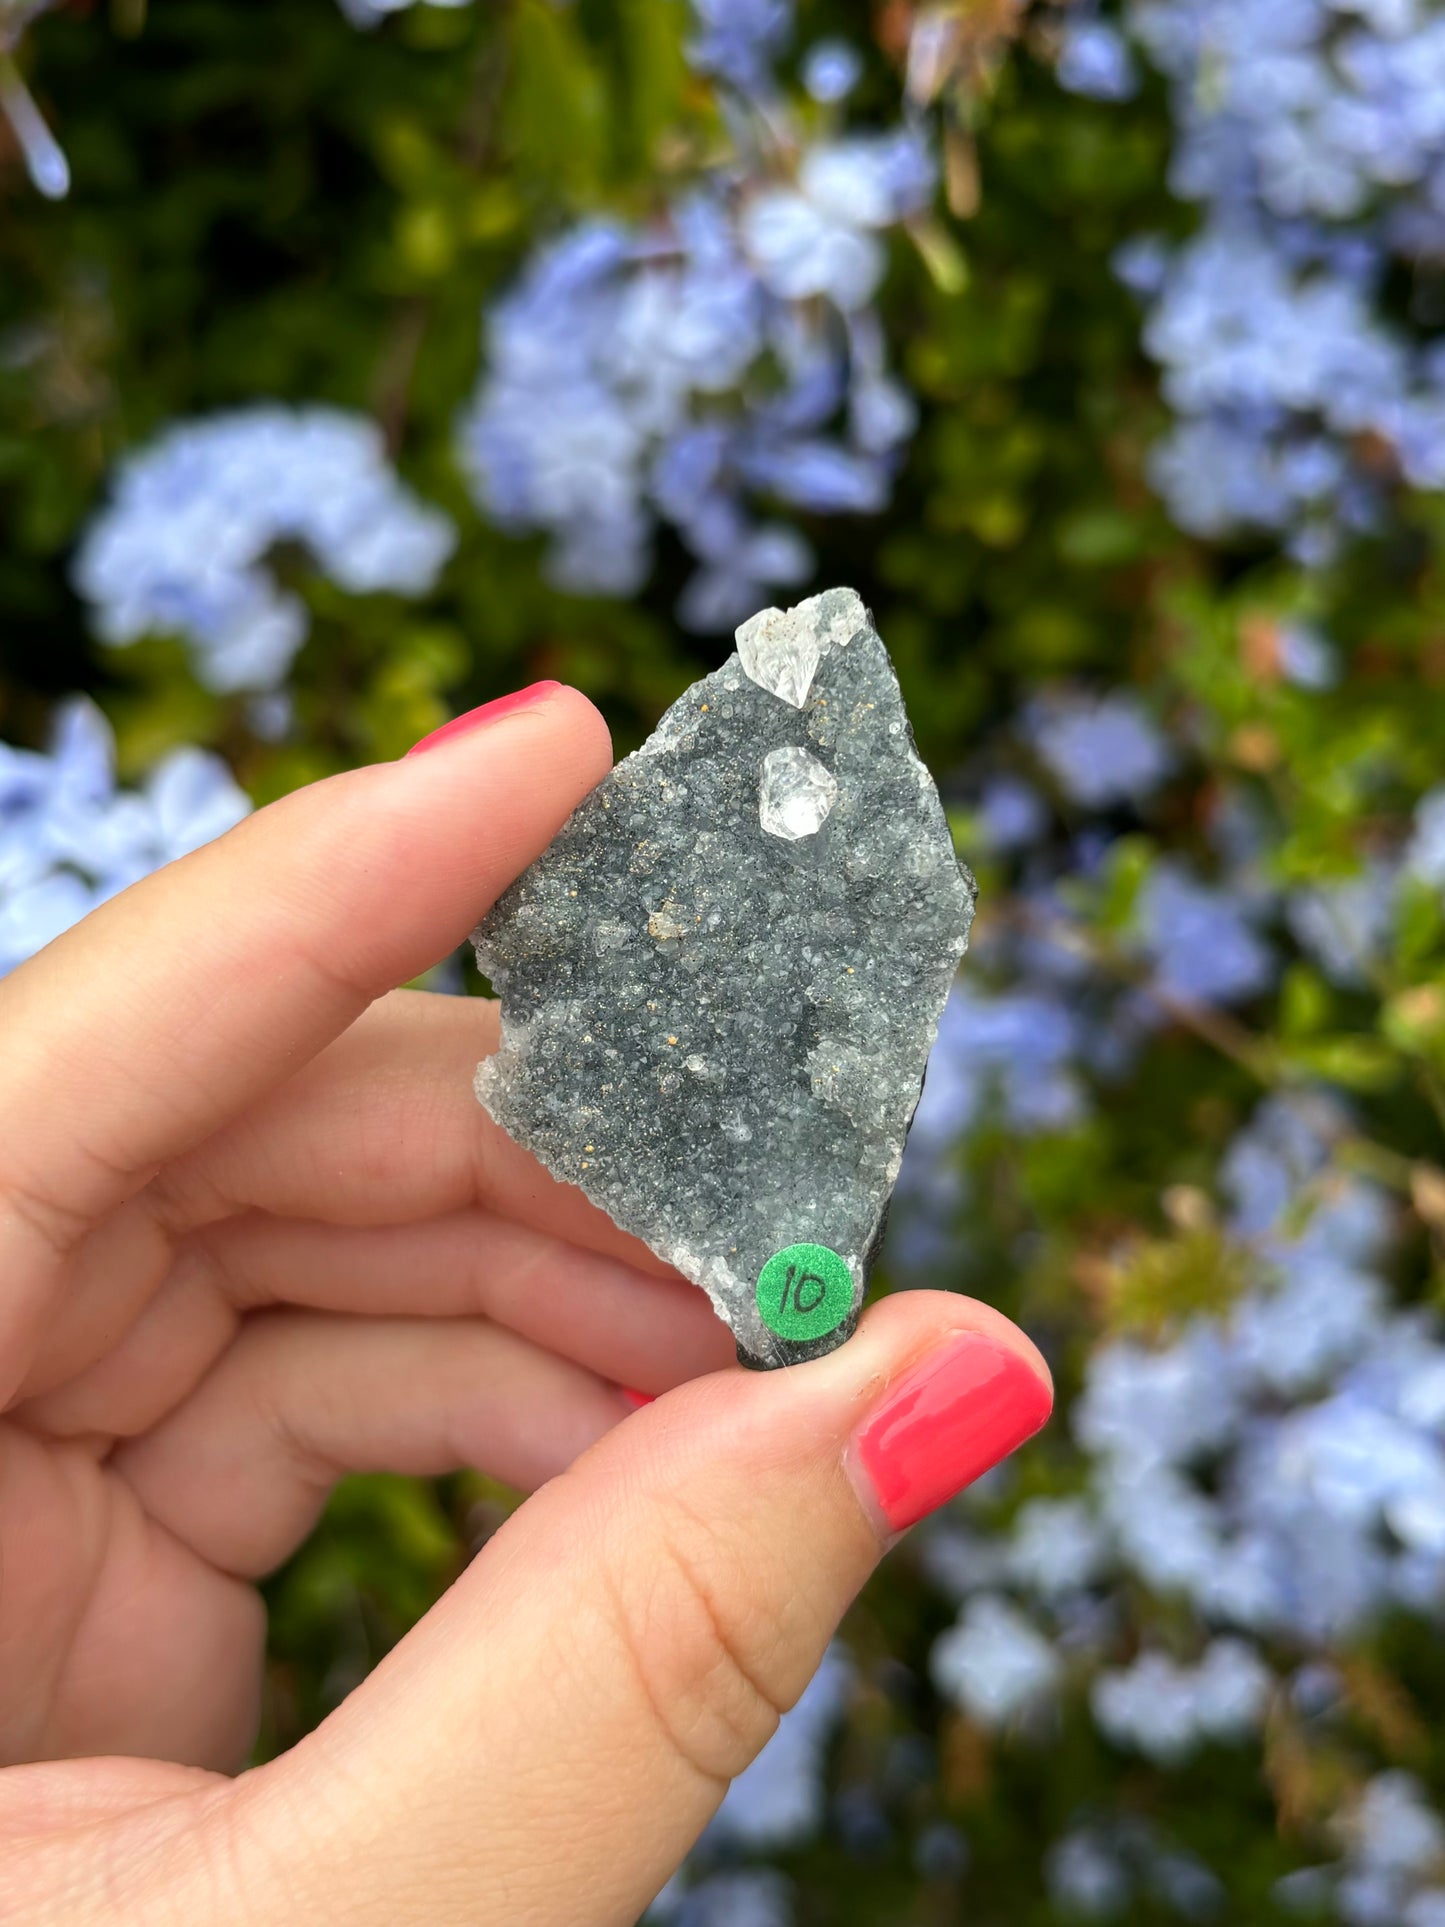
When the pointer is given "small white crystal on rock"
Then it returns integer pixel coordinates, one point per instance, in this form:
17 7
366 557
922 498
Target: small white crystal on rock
797 794
780 649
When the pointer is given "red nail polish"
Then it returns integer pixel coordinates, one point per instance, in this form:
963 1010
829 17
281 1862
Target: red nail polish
958 1412
637 1399
487 713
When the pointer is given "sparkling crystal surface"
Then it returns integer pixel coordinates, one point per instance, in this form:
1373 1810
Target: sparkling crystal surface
719 1032
780 649
797 794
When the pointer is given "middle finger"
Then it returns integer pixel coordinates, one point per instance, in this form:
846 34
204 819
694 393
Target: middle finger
383 1128
624 1325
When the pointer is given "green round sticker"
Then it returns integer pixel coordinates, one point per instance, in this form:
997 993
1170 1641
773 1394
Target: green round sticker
804 1292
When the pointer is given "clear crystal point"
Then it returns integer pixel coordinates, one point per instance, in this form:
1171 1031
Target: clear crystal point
797 794
780 649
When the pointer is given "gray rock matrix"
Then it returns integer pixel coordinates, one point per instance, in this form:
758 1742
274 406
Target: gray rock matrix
717 1030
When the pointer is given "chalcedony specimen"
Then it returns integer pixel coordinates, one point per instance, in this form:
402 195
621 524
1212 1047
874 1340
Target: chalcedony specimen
721 982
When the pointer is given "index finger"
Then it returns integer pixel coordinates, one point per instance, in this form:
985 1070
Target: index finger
140 1031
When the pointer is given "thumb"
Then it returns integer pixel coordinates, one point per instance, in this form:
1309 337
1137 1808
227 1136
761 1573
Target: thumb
546 1746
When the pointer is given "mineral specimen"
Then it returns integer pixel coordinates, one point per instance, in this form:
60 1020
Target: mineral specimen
797 796
721 982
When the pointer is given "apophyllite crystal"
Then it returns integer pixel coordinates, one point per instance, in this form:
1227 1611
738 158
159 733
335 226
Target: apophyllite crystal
721 982
797 794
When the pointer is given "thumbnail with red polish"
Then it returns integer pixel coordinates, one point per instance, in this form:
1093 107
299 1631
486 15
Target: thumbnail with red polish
487 713
956 1413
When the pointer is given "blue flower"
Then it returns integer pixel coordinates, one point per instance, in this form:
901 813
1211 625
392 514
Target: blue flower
1016 1046
181 547
1014 814
816 475
1102 750
831 70
743 562
1087 1876
1094 59
1142 264
1344 925
820 237
1057 1547
44 159
685 369
1200 940
69 839
1425 853
1168 1711
995 1663
739 40
1306 658
756 1897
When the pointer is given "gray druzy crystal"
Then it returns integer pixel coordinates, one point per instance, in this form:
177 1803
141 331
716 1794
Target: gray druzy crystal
717 1031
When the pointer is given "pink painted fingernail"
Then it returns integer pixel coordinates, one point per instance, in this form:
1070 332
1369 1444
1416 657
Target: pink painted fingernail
487 713
956 1413
637 1399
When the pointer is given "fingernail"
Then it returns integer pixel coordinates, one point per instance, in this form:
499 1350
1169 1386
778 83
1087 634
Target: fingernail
637 1399
956 1413
487 713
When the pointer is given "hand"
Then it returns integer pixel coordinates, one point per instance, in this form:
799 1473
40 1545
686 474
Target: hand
254 1233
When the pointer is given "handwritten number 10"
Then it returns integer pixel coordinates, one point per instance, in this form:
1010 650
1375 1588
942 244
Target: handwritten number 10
805 1299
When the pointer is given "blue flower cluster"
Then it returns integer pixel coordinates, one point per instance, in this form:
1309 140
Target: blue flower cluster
1390 1871
1015 1055
41 152
1101 1870
1313 132
69 838
1276 1468
1160 1708
181 549
717 365
1279 1468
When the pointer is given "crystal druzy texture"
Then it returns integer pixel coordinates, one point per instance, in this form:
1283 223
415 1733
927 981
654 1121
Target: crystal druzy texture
721 982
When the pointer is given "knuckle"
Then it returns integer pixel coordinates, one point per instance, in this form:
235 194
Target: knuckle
53 1227
705 1650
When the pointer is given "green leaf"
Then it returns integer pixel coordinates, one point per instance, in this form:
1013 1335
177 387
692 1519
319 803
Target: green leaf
1306 1002
554 111
1364 1064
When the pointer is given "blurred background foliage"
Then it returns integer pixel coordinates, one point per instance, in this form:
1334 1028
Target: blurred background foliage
271 205
273 208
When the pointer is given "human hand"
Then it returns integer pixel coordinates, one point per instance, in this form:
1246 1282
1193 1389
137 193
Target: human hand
255 1233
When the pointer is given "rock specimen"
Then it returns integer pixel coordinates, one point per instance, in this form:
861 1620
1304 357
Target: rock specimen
721 982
